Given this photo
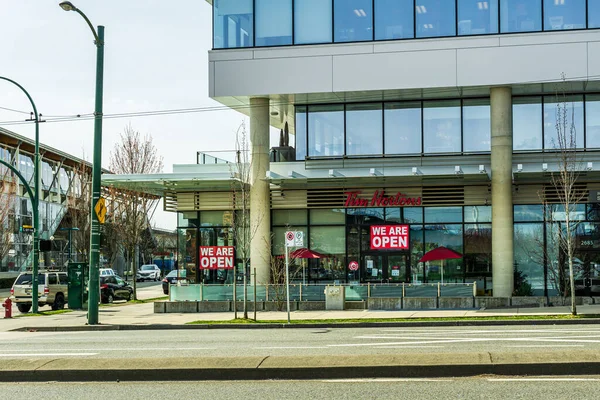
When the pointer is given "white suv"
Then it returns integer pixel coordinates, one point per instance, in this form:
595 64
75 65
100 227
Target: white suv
149 272
52 290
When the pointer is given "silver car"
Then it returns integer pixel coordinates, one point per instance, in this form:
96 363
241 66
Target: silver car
148 272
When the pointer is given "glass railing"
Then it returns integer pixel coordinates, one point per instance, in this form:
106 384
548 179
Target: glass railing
302 292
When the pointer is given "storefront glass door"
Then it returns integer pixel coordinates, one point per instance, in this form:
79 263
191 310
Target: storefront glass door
379 267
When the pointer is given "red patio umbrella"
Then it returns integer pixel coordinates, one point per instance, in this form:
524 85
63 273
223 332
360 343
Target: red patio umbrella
306 253
440 253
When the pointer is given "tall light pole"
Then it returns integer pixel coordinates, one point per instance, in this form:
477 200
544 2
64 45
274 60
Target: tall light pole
35 198
94 282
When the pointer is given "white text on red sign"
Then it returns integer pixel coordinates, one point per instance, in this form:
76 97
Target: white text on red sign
216 257
389 237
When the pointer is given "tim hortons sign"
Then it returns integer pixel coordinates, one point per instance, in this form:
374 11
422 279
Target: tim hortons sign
380 199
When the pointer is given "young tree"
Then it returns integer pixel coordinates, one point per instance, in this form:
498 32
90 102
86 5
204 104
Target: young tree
79 210
131 208
8 189
564 182
243 232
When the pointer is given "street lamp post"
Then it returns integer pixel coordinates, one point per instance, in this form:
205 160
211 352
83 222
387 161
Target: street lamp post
94 282
35 199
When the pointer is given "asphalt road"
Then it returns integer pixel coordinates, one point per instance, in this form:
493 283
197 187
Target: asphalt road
579 388
298 342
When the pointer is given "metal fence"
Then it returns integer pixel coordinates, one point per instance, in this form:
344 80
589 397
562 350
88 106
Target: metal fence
313 292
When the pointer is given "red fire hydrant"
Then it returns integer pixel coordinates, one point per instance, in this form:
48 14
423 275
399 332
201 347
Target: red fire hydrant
7 308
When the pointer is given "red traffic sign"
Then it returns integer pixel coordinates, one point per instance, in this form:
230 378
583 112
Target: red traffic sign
353 266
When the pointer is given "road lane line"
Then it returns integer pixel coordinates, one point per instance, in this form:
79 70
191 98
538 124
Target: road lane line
375 380
543 379
550 345
289 347
48 355
117 349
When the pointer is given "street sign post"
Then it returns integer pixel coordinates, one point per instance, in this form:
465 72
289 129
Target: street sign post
292 239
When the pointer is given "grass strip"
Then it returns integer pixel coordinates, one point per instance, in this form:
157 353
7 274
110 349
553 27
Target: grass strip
42 313
404 320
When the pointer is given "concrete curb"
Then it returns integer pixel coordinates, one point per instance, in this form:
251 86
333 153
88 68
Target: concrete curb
301 367
416 324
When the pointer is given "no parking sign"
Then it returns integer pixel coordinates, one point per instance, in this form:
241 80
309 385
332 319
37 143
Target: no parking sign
294 239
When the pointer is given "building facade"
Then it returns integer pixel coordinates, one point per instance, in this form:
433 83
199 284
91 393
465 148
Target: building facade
437 115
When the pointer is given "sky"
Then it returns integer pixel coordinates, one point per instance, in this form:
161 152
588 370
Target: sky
155 58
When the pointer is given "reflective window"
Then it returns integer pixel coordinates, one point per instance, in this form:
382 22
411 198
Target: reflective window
312 21
289 217
477 17
336 216
592 121
593 14
435 18
476 125
413 215
568 110
394 19
233 22
300 133
528 212
326 130
364 129
529 259
527 123
273 22
564 14
520 15
353 20
402 128
478 214
441 126
443 214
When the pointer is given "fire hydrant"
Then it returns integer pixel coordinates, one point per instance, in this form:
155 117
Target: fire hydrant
7 308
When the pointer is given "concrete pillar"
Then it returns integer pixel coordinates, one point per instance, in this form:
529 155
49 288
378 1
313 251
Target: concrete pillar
260 209
502 204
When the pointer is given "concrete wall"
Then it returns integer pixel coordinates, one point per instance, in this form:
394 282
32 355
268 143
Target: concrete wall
409 64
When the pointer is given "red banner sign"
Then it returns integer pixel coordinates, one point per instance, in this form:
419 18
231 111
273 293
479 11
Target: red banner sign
380 199
216 257
389 237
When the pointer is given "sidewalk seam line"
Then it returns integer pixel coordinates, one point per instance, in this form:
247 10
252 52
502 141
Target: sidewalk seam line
262 361
46 363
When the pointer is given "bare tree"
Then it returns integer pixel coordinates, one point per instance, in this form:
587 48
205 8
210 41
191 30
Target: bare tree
8 190
565 180
79 210
131 208
243 232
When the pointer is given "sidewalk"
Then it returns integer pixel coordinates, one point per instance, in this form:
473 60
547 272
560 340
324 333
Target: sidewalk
142 316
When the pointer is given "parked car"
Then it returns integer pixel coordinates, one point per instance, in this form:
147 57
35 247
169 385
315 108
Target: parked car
106 271
148 272
171 279
52 290
112 288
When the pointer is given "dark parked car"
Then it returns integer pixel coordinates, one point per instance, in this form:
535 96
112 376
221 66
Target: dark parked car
112 288
171 279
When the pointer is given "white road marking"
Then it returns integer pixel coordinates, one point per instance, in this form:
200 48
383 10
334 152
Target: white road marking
409 343
118 349
367 380
487 332
290 347
543 379
411 347
48 355
549 345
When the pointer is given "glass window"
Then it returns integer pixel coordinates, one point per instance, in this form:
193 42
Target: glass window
478 214
185 219
233 21
435 18
413 215
327 217
393 214
289 217
527 123
364 129
402 128
443 214
564 14
300 133
326 130
569 112
450 236
520 15
331 241
215 218
279 239
529 259
273 22
441 126
312 21
529 213
593 14
477 17
476 125
592 121
353 20
394 19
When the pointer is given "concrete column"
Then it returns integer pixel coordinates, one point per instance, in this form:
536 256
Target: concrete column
260 209
502 204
